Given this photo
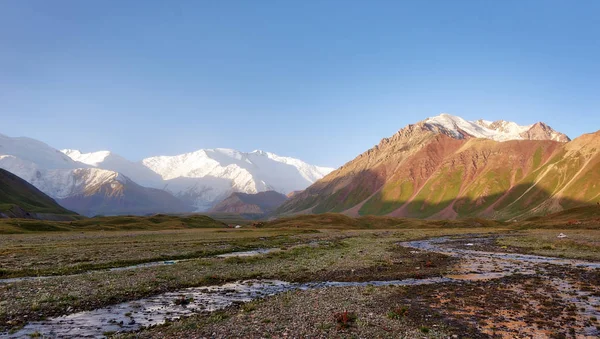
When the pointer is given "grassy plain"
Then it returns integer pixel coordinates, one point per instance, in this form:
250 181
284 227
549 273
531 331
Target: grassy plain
308 248
303 255
579 244
116 223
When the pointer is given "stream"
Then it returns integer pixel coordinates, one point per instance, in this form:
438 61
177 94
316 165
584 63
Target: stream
133 315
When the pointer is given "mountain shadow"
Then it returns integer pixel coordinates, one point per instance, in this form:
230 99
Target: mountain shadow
453 199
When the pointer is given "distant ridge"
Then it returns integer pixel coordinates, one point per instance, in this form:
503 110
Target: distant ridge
243 203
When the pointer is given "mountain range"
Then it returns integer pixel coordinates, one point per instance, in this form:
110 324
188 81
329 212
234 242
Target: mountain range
441 167
106 183
448 167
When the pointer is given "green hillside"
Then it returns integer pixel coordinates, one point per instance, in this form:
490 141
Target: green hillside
18 198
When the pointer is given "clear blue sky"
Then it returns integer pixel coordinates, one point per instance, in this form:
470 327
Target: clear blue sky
319 80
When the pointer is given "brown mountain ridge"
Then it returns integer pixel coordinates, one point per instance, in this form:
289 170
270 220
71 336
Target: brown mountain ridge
428 171
245 203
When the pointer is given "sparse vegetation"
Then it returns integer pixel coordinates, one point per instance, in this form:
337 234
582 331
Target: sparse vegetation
398 313
344 319
323 248
352 255
118 223
579 244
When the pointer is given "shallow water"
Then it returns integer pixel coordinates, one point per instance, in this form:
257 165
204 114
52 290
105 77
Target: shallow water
131 316
438 245
475 265
248 253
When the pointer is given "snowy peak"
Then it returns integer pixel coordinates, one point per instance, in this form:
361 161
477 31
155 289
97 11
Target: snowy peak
35 151
501 126
113 162
500 130
541 131
207 176
59 183
266 169
202 162
92 159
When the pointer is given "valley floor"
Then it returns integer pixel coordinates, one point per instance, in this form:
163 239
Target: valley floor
463 282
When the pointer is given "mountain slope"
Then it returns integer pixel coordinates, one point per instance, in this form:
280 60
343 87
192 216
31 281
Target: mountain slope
120 195
243 203
431 170
19 199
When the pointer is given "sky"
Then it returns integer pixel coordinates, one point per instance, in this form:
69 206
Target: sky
322 80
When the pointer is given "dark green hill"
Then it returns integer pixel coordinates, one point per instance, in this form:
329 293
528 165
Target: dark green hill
19 199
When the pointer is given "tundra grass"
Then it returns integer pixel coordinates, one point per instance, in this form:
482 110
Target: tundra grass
115 223
391 197
579 244
358 255
68 253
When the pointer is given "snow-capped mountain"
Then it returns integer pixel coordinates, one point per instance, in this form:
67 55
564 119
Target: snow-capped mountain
81 187
500 130
59 183
207 176
113 162
46 168
37 152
